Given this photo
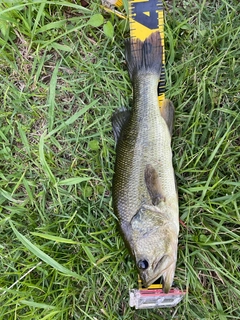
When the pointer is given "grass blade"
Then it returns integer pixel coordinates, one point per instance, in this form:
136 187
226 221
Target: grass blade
44 257
52 94
72 181
73 118
37 305
43 161
54 238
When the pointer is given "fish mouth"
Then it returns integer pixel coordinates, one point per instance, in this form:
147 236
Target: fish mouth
158 271
151 281
148 281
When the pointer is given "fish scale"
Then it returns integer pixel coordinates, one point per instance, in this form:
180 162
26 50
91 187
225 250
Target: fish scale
149 143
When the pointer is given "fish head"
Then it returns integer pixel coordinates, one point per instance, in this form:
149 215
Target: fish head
154 245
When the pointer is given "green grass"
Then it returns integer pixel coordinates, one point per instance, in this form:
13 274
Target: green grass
61 255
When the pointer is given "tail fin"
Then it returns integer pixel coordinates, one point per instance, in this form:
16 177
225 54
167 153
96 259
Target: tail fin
144 56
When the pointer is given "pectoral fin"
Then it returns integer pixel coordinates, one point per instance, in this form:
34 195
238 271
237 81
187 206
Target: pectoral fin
167 112
153 185
119 120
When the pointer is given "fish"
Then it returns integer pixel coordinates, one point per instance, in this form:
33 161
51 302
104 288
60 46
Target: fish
144 191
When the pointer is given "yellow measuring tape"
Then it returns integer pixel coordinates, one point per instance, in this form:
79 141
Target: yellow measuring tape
146 17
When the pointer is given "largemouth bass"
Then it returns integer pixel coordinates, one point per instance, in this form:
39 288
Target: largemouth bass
144 189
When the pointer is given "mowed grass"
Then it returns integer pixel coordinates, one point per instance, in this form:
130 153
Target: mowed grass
61 255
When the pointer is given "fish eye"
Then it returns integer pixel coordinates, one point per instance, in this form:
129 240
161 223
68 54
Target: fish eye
142 264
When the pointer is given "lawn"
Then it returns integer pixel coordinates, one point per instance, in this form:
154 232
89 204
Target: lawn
62 75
